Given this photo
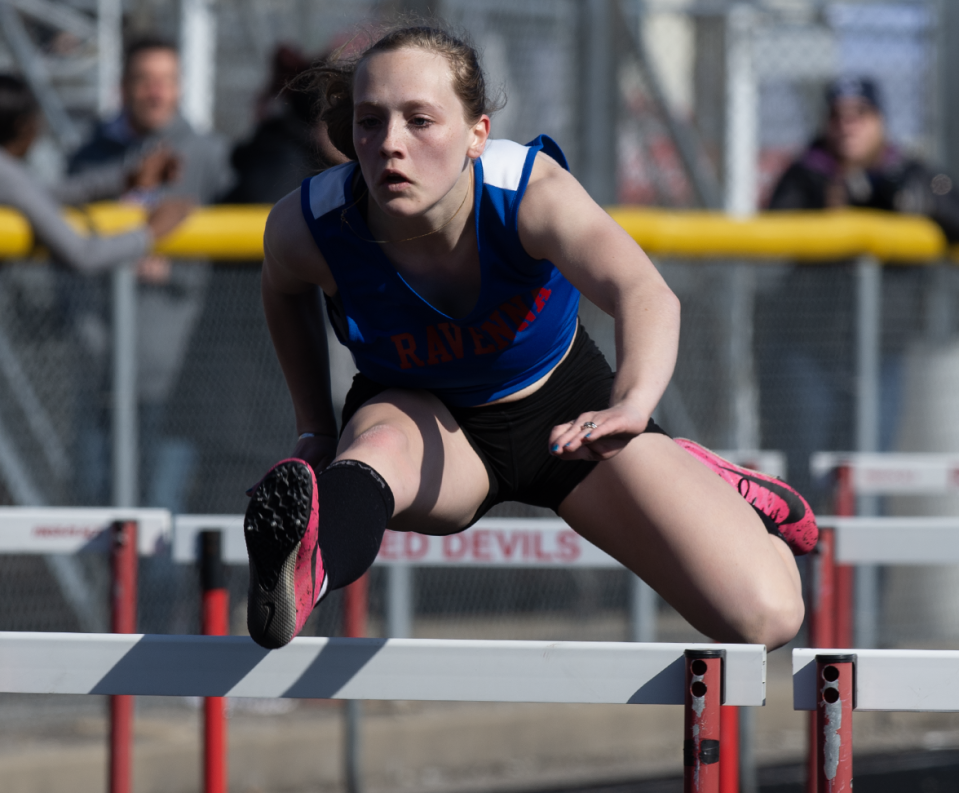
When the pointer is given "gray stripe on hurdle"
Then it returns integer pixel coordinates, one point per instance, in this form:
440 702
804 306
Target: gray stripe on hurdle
405 669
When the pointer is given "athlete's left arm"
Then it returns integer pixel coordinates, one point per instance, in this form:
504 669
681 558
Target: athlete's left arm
558 221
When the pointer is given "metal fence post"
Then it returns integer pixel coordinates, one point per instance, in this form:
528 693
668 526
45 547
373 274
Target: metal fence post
399 601
868 363
741 159
355 609
125 451
597 136
748 778
642 610
741 153
198 53
109 55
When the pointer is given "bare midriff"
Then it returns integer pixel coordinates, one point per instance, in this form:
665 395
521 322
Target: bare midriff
532 388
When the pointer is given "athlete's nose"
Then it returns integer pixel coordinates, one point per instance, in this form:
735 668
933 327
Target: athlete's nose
392 145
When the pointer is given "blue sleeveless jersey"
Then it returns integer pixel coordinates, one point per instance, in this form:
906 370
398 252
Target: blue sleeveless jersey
518 331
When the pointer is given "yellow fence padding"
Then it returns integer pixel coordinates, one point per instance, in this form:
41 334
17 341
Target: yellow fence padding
16 238
790 235
236 233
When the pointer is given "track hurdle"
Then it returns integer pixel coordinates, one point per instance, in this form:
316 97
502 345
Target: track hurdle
867 475
836 682
849 541
532 543
699 676
122 533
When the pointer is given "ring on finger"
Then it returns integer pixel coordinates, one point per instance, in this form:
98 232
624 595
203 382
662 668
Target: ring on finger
589 425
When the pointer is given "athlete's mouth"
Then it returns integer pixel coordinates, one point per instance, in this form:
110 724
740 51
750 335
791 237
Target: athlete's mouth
393 178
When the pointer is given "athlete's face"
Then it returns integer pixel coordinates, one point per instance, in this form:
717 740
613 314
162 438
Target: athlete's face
411 135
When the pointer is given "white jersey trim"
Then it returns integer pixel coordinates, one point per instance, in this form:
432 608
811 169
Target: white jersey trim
503 162
327 189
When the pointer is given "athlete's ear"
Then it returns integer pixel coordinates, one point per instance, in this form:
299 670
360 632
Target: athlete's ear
479 133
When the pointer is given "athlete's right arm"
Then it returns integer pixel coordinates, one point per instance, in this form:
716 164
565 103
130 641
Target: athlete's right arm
294 274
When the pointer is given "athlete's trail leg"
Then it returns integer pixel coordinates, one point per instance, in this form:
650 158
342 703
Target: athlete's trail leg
690 536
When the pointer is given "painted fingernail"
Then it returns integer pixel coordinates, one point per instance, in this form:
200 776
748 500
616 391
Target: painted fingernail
588 434
555 447
568 444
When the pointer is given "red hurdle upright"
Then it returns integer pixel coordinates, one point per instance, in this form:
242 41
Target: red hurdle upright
123 597
729 749
216 622
845 573
830 600
704 698
835 684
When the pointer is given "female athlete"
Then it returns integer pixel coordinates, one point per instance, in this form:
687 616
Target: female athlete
451 265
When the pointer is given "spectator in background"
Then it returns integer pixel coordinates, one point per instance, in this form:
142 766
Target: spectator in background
854 165
171 296
289 142
807 361
20 125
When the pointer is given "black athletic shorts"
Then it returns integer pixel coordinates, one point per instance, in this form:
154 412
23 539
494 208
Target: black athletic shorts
512 438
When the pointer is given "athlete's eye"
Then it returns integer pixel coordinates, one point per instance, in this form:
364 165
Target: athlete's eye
367 122
421 121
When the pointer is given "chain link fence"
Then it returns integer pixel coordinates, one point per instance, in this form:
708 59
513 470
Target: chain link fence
225 416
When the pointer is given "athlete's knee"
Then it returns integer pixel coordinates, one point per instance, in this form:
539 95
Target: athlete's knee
387 440
774 619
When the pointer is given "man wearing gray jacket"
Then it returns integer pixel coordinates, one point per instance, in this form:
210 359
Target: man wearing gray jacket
171 295
41 204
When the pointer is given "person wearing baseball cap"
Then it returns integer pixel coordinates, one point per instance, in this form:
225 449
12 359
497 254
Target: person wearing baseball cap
853 164
805 323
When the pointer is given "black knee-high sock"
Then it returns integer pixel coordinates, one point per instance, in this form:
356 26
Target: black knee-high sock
355 506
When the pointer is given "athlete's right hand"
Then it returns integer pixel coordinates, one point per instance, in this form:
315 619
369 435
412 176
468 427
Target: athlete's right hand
319 451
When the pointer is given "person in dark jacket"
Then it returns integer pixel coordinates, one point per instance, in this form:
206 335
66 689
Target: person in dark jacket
806 361
853 164
289 142
281 152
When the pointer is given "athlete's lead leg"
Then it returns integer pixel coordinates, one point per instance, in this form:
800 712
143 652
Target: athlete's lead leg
688 534
413 441
402 461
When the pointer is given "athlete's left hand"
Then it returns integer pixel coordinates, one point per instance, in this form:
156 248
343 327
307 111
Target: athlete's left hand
615 427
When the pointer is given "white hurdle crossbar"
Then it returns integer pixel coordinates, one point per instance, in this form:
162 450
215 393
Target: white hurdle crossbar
894 540
890 473
405 669
890 680
71 530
